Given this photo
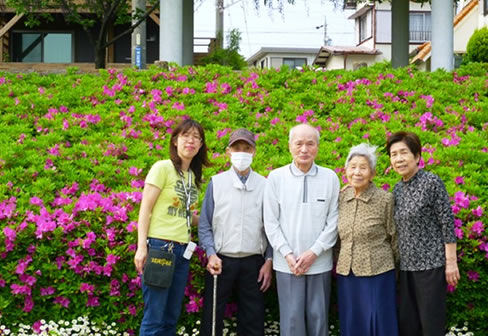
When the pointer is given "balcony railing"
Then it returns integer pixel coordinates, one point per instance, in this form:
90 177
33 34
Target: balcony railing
420 36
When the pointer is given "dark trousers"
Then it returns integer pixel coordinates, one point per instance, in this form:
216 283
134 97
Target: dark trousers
241 275
422 309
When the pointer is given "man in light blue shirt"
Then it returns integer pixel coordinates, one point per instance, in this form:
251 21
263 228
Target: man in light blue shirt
300 218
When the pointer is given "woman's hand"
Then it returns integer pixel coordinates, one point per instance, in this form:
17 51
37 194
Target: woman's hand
452 273
140 258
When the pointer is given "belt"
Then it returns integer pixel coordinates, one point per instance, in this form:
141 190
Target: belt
169 241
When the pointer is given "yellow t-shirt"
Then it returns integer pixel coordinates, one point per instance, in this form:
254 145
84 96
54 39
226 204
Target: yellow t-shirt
168 217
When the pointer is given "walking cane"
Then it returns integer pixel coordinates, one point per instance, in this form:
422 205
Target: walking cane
214 304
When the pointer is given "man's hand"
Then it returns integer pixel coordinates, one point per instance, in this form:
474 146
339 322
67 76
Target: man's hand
214 265
140 258
290 259
265 275
304 262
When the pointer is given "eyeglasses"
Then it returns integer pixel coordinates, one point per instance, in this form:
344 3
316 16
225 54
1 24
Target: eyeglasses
194 137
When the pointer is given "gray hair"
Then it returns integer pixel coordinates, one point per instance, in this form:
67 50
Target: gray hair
290 135
366 150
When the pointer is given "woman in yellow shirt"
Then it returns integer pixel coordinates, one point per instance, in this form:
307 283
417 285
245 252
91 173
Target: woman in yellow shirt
368 250
170 194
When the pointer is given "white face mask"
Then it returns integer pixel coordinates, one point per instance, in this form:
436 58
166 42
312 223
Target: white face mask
241 160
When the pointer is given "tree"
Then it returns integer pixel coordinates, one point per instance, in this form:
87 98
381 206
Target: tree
228 56
477 48
94 16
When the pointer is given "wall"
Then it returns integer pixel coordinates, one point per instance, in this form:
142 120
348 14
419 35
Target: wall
464 30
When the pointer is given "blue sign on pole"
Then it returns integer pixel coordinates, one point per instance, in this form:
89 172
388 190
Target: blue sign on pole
138 57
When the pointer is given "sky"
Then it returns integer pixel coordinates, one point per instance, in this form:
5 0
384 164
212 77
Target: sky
295 27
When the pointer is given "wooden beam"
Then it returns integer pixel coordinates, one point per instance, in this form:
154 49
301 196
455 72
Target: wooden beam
155 18
9 24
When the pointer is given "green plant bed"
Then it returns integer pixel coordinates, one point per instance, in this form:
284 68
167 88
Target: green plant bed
75 149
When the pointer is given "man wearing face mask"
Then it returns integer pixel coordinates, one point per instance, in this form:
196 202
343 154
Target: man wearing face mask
231 231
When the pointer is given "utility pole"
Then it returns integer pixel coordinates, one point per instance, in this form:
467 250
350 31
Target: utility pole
138 54
399 33
327 39
219 23
442 35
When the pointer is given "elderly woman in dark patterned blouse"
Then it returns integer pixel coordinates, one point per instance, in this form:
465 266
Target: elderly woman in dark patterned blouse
427 243
368 250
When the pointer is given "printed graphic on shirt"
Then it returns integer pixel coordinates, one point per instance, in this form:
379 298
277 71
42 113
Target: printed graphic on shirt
178 208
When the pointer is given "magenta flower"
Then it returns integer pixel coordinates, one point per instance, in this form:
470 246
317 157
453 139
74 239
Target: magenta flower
36 201
473 276
230 310
28 304
9 233
386 187
221 133
194 305
210 87
16 289
62 301
274 121
36 326
461 199
178 106
301 118
459 233
47 291
112 259
131 227
86 288
459 180
478 212
134 171
478 227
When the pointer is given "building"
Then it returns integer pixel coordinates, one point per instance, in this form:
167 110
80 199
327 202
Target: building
372 31
373 34
275 57
59 42
473 15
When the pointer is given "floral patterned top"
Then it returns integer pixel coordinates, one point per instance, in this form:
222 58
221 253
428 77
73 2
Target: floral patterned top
425 221
368 239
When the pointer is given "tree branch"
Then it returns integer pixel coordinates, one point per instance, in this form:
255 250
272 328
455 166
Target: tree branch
131 29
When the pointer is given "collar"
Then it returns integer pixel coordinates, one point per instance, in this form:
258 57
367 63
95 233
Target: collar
297 172
417 175
364 196
237 182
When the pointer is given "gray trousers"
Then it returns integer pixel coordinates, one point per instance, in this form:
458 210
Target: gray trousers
304 304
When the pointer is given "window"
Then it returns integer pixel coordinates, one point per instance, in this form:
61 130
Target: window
294 62
383 26
43 47
420 27
485 7
363 28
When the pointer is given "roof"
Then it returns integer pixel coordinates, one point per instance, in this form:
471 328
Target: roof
271 50
423 51
327 51
360 12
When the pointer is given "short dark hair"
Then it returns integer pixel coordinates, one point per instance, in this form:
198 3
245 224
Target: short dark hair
409 138
200 159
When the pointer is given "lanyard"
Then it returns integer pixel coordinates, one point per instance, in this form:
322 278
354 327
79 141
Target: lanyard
187 190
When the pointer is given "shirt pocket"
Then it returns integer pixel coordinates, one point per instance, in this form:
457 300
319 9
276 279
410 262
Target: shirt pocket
318 208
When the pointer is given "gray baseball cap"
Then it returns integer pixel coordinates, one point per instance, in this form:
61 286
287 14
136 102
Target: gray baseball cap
242 134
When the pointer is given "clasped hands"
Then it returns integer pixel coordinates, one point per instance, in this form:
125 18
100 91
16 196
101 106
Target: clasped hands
301 265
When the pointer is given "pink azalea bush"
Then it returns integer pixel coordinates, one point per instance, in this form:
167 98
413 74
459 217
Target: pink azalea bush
74 151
